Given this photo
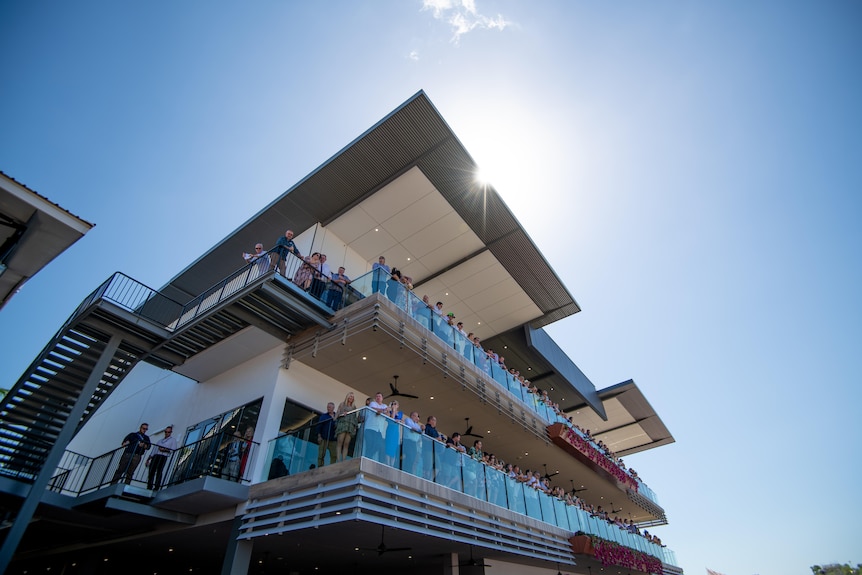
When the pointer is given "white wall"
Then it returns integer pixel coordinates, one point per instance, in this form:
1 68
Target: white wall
148 394
161 398
305 386
337 252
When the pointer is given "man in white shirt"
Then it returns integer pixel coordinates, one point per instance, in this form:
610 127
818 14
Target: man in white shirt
162 450
412 445
375 428
321 278
324 267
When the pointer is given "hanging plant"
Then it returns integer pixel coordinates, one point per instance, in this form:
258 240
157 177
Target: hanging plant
611 553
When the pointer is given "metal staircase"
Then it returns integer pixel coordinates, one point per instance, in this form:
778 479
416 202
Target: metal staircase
120 324
37 408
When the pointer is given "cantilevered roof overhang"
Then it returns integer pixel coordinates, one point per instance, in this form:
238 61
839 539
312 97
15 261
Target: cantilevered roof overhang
632 424
33 231
412 136
540 360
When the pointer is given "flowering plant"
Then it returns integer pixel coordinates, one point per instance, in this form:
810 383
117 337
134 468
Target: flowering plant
599 458
610 553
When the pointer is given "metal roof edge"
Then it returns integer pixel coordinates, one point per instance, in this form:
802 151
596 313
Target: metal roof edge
541 342
299 183
641 410
82 226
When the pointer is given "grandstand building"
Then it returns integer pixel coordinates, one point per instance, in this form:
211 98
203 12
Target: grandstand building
242 360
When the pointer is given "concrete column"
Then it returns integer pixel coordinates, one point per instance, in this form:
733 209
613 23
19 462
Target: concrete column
450 564
237 557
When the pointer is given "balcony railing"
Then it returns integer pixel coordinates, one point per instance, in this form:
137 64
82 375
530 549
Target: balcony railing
221 455
391 443
424 313
146 302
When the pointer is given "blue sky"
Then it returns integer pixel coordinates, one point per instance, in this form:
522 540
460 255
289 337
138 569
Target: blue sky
690 169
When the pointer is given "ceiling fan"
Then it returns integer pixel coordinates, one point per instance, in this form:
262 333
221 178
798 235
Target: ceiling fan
395 392
469 432
576 491
382 548
549 475
474 562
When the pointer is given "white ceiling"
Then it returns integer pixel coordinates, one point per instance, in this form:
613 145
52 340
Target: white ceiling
420 233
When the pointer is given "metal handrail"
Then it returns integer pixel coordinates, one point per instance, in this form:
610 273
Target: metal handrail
211 456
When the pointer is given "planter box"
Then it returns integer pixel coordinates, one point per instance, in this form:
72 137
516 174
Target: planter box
582 545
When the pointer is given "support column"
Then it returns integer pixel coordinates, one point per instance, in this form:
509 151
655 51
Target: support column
25 513
451 564
237 557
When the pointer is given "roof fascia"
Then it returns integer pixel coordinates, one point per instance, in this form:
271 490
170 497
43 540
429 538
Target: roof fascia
541 343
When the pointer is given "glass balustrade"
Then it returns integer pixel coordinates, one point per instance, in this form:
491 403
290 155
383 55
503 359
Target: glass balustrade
428 317
392 443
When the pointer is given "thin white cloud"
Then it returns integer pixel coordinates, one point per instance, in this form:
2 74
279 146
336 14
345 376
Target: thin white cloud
414 55
463 16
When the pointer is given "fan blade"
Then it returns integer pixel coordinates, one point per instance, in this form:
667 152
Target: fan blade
396 393
474 563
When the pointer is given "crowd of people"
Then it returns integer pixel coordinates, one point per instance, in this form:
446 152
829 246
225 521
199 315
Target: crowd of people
313 275
392 436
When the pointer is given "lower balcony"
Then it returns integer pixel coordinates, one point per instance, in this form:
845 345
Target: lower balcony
196 478
425 497
349 512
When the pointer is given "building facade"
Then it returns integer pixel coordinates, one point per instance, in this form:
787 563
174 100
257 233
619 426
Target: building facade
240 361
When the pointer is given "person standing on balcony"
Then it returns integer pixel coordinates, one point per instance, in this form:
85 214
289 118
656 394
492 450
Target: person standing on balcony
335 293
412 446
259 258
326 435
233 455
236 454
136 444
283 246
440 321
393 434
346 425
321 278
379 275
428 470
306 273
248 436
375 427
422 312
451 476
476 451
159 457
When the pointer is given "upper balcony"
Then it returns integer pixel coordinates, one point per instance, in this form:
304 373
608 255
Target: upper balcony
392 332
